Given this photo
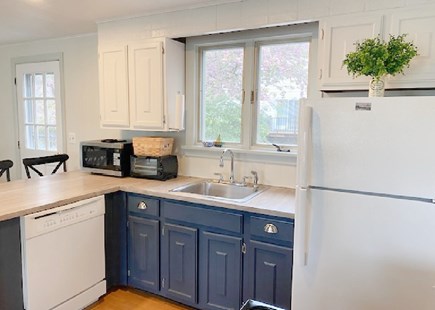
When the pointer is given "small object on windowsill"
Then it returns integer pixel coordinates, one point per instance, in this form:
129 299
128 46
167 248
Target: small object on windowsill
207 143
218 141
279 149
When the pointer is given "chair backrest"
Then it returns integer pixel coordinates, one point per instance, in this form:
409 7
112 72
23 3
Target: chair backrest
29 163
5 165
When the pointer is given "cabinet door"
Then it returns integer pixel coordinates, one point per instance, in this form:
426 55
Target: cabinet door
337 38
418 25
143 260
268 273
146 85
220 271
179 263
113 74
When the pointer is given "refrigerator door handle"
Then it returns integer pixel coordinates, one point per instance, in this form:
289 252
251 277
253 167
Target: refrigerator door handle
303 213
304 136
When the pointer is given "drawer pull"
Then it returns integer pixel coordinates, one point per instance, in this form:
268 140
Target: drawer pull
142 205
270 229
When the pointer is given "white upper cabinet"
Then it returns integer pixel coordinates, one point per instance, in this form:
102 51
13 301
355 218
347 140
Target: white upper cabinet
146 85
419 25
139 84
339 33
337 38
113 79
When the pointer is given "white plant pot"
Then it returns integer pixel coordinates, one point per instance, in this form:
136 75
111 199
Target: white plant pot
376 88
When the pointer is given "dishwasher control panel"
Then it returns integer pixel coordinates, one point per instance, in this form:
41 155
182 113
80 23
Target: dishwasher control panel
48 220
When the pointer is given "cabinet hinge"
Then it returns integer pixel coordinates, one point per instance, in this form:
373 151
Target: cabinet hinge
15 81
323 34
163 282
164 119
163 50
128 272
320 74
19 145
244 248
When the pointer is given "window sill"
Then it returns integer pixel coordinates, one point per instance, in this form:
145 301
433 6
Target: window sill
263 156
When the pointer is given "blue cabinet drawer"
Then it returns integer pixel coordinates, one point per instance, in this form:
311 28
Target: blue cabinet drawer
143 205
271 229
202 216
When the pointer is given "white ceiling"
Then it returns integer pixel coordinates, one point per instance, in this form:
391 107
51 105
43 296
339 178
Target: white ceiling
26 20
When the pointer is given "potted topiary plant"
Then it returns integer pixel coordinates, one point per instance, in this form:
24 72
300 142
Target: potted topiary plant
376 58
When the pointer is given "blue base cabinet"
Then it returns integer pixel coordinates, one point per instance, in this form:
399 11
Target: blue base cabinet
221 271
268 260
269 273
143 254
143 242
179 263
207 257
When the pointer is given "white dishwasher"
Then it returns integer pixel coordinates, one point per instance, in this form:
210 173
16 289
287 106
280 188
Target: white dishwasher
63 256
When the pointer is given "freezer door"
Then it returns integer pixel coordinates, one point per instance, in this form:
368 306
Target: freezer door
383 145
364 253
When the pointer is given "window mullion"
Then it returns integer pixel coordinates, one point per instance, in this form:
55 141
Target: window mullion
248 82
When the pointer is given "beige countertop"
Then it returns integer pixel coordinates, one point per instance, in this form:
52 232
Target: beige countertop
22 197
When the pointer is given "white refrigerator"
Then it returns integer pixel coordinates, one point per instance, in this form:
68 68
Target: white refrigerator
365 214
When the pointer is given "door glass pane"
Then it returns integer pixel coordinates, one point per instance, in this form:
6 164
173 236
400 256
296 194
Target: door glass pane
30 137
52 138
28 85
49 85
51 112
40 112
221 98
41 138
39 85
28 111
282 81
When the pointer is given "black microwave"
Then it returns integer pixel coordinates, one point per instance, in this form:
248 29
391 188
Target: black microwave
108 157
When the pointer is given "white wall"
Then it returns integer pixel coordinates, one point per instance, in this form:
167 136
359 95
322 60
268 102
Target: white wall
80 67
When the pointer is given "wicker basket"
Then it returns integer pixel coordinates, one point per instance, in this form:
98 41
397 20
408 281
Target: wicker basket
152 146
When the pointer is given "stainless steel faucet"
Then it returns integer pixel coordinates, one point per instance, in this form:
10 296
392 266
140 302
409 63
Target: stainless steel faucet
221 163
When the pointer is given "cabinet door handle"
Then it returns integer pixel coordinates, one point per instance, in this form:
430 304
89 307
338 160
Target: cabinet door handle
142 205
270 229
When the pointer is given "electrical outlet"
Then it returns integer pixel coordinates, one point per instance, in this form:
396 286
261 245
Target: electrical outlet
71 137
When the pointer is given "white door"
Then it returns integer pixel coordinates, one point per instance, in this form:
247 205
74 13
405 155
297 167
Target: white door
39 110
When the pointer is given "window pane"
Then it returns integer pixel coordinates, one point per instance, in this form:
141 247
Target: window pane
41 137
221 100
28 85
28 111
40 112
51 112
282 81
52 139
49 85
39 85
30 137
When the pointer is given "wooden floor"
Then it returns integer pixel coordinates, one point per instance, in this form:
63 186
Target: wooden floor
130 299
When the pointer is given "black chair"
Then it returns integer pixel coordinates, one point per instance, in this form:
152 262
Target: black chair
5 165
31 162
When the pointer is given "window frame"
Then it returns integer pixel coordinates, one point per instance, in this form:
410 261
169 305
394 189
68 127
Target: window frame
254 110
200 118
248 150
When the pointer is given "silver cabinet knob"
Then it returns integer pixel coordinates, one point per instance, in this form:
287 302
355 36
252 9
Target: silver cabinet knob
270 229
142 205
